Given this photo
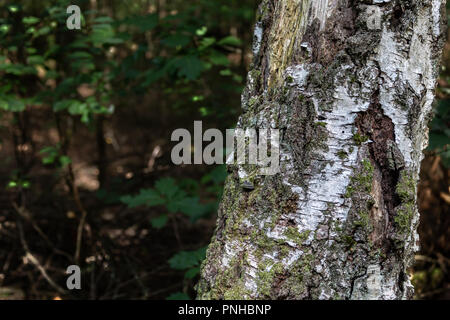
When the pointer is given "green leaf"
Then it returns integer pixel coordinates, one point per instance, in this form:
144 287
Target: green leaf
206 42
219 59
64 161
159 222
147 197
62 105
230 41
12 184
108 197
237 78
103 34
176 40
192 208
226 72
190 185
80 55
51 153
202 31
191 273
30 20
152 75
443 108
17 69
11 103
78 108
173 204
4 28
13 8
36 59
204 111
438 141
190 67
26 184
217 175
31 51
31 30
144 23
198 98
104 19
178 296
187 259
167 187
43 31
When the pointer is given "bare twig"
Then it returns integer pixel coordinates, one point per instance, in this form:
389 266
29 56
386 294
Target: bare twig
76 197
434 292
79 204
424 258
30 257
175 230
169 288
24 213
65 137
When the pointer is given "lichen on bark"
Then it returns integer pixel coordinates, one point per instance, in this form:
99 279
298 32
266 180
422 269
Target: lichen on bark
350 85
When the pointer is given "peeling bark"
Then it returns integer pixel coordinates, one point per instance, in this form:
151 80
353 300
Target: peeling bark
350 84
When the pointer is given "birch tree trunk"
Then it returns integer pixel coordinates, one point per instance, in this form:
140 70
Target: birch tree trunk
350 84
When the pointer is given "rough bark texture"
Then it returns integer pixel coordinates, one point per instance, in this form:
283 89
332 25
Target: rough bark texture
350 84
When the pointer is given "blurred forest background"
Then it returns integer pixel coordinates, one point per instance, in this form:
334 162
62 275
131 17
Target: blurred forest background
85 123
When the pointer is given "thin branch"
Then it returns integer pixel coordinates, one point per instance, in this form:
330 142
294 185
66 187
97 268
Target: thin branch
76 197
30 257
24 213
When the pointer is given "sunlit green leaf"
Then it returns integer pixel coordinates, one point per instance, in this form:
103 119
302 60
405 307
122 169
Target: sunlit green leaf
12 184
13 8
30 20
202 31
64 161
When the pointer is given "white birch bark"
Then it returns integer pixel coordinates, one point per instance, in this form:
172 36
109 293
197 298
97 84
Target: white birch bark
350 84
